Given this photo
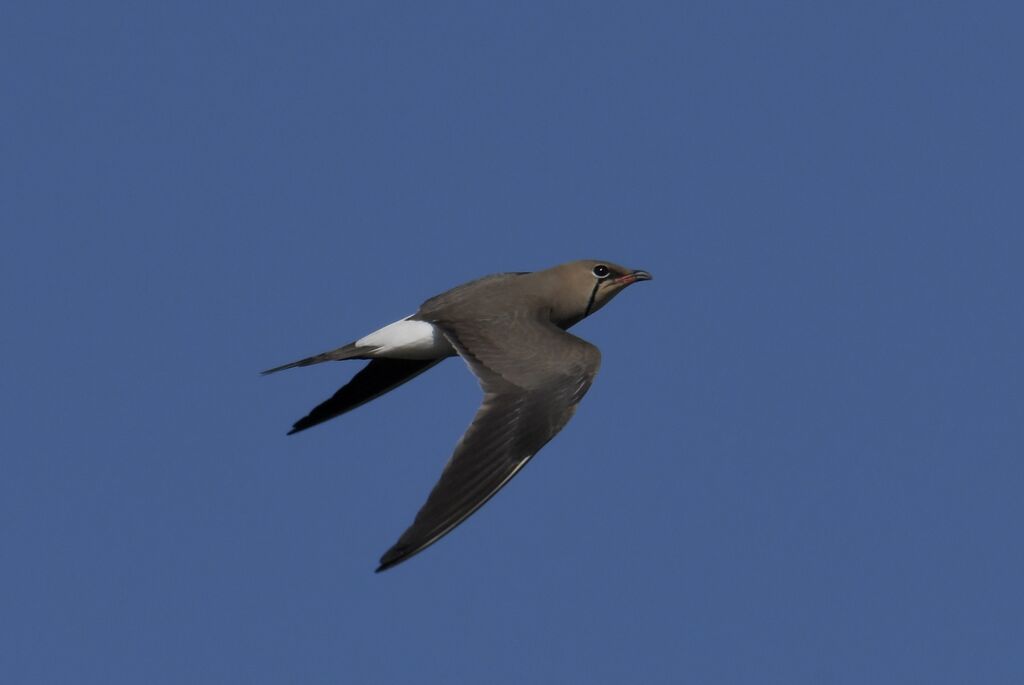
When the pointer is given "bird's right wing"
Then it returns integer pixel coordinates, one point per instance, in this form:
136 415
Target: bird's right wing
372 381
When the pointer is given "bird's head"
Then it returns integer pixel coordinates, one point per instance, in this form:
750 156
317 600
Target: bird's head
589 284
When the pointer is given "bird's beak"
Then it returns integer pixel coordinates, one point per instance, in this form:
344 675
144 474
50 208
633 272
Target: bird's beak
633 277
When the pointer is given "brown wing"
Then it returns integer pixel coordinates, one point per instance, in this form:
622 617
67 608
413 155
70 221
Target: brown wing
533 374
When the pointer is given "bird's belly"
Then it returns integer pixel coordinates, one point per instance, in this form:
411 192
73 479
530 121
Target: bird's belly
407 339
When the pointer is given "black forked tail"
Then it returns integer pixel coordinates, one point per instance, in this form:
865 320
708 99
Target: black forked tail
346 352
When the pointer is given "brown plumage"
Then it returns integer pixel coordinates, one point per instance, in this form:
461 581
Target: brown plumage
511 331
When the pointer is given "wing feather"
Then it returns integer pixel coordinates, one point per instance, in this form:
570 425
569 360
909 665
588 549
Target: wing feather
527 401
372 381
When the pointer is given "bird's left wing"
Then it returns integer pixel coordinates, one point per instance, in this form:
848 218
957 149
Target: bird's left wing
533 374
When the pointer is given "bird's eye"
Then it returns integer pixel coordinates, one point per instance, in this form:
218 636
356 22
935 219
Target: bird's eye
602 271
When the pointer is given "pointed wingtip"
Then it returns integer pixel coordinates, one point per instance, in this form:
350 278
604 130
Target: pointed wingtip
296 429
386 563
393 557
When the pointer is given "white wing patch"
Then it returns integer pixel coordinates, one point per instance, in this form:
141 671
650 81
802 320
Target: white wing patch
407 340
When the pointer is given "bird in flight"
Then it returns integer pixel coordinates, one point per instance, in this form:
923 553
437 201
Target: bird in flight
510 329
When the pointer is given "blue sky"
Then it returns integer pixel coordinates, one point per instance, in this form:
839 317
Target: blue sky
800 463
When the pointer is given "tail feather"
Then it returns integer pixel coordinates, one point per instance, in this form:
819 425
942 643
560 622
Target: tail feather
347 352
